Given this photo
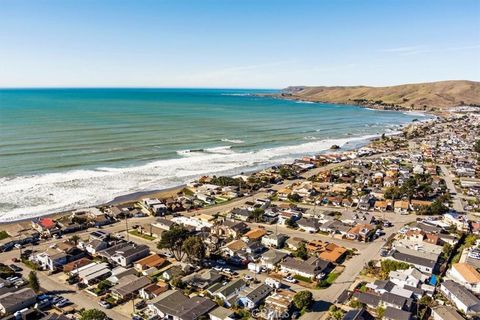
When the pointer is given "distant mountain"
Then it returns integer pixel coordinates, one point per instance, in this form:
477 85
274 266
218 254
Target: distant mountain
432 96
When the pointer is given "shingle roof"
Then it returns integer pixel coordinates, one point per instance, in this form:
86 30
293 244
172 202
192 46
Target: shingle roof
461 293
469 273
396 314
174 303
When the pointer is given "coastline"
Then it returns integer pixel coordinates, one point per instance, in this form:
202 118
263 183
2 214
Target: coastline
167 192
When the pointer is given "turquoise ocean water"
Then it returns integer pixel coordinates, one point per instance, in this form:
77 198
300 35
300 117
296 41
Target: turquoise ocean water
65 148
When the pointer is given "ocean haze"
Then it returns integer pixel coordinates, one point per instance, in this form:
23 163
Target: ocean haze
64 148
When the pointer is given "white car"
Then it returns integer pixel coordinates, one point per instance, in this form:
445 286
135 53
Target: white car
290 279
217 268
227 270
247 277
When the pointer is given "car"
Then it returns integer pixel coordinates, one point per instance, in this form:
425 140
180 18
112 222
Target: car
56 299
15 268
44 296
247 277
43 304
62 303
141 304
216 268
290 279
104 304
227 270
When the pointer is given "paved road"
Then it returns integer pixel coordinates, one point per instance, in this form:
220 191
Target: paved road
457 201
323 298
51 283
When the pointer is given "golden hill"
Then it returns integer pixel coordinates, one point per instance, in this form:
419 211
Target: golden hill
421 96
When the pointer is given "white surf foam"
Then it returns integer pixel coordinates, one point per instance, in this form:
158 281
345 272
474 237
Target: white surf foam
29 196
237 141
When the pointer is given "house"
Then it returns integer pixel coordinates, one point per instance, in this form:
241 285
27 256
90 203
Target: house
125 253
152 261
294 243
278 304
93 246
253 296
228 292
274 240
254 235
311 268
401 206
466 275
230 229
361 232
272 258
310 225
162 224
202 279
240 214
120 272
410 277
13 301
92 272
425 264
233 247
333 253
153 290
46 226
51 259
396 314
174 305
358 314
129 286
463 299
221 313
445 313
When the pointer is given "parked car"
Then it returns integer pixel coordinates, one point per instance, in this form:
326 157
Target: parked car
141 304
15 268
247 277
104 304
290 279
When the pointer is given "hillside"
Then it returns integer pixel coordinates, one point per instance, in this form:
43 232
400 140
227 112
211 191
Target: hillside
433 96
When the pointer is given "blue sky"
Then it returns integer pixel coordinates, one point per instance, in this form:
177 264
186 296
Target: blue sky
237 43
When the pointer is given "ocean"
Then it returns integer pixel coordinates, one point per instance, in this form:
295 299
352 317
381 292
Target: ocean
68 148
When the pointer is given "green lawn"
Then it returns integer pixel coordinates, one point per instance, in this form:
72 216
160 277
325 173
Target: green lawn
142 235
4 235
301 278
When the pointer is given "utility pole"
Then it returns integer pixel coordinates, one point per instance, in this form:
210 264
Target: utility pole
126 227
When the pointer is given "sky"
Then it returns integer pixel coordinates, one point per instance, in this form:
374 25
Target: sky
237 43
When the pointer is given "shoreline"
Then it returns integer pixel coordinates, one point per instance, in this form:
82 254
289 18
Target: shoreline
358 142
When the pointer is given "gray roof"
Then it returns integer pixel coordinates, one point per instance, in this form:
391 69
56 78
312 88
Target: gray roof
311 266
394 299
229 288
256 295
221 312
367 298
202 278
396 314
174 303
130 284
11 299
358 314
309 222
447 313
461 293
386 285
274 256
421 261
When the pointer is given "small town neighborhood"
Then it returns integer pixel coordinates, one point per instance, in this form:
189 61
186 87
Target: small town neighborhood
387 231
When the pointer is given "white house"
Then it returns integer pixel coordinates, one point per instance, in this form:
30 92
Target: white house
463 299
466 275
